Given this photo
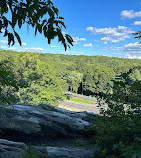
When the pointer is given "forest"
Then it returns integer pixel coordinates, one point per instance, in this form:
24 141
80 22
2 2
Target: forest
42 78
36 78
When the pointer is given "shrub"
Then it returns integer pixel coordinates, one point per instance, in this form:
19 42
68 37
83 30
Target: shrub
119 130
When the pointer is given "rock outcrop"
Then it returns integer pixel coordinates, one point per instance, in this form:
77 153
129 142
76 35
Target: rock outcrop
10 149
36 125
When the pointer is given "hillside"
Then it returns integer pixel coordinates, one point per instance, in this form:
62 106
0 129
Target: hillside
42 78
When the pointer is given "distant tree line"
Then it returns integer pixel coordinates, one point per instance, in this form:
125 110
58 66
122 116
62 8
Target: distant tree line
42 78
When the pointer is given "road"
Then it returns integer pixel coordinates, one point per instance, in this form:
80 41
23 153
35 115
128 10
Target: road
81 96
75 106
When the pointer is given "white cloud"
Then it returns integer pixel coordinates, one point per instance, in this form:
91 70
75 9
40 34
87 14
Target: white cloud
2 47
130 14
66 52
112 35
3 42
96 40
54 46
88 45
115 41
34 49
74 42
137 23
105 42
63 32
82 39
105 39
105 55
77 39
89 29
2 31
121 28
23 44
132 48
12 48
111 40
113 48
132 56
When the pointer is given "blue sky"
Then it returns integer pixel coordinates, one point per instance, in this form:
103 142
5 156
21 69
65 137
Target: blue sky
99 27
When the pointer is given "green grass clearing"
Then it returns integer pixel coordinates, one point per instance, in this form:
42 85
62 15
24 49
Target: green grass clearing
82 101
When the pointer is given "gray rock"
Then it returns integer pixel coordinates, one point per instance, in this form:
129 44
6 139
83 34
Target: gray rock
28 121
70 152
10 149
32 124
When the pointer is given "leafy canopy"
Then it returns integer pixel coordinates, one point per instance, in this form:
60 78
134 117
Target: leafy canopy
119 129
40 14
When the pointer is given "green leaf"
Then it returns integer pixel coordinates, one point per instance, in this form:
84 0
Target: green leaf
49 2
55 10
0 25
39 27
60 17
3 72
19 22
14 19
18 38
35 30
5 21
11 39
62 23
69 39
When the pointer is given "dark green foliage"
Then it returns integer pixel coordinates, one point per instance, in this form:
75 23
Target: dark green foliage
42 78
36 80
46 89
73 79
6 84
97 79
32 13
119 130
28 153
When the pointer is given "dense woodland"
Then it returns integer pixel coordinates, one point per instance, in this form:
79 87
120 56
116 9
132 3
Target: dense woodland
35 78
42 78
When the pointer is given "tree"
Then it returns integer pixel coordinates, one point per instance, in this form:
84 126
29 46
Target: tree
135 75
97 80
45 88
74 79
33 13
37 81
119 129
6 83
